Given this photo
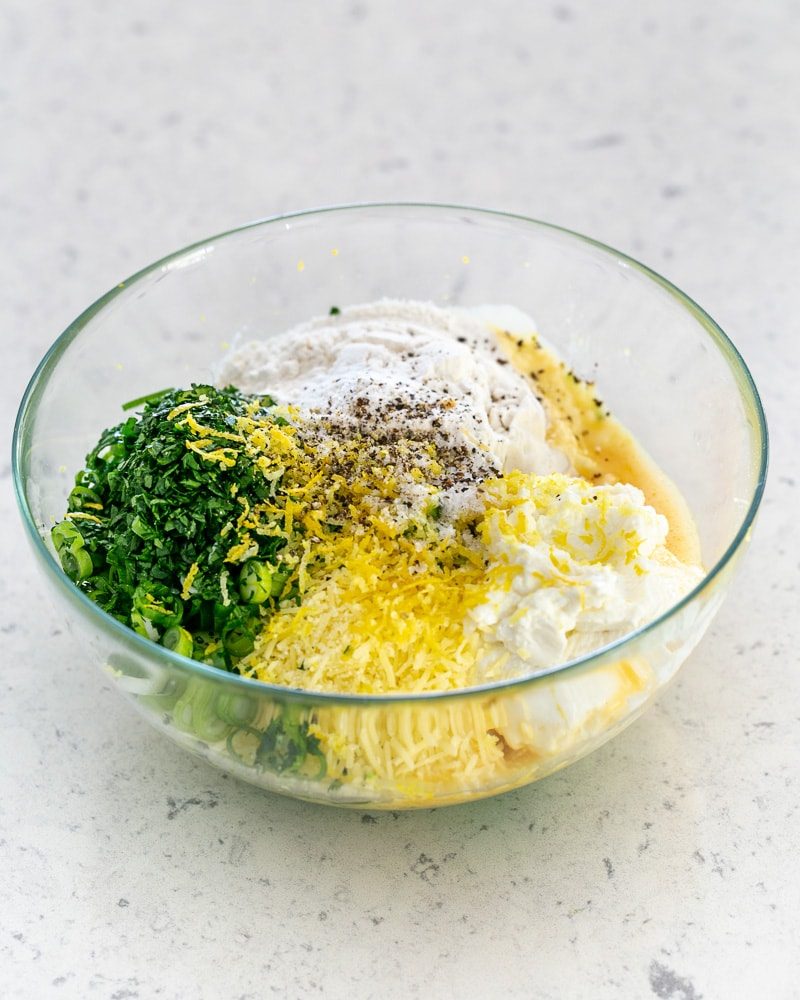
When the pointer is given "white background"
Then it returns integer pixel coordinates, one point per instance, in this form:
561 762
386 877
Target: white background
664 865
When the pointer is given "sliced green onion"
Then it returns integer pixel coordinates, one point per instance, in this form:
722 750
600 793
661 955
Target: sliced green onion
239 641
178 640
77 563
195 712
66 536
112 453
255 582
141 625
80 496
237 709
155 603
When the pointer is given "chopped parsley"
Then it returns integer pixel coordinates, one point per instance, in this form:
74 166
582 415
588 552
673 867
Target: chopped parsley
156 531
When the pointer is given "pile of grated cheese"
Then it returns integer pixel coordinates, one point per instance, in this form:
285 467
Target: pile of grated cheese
387 617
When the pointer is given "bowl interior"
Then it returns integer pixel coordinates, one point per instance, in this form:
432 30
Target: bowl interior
659 362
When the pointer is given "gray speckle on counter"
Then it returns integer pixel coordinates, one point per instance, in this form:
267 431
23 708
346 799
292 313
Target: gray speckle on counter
666 985
664 865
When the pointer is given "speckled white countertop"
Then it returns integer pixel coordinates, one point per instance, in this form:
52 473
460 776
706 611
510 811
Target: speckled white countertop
665 865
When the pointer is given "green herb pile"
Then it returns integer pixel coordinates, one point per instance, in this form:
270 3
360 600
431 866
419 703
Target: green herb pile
147 508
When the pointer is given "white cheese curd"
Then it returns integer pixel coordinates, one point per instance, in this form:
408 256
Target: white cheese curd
586 564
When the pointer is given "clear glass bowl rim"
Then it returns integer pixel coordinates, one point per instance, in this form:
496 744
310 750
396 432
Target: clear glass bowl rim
151 650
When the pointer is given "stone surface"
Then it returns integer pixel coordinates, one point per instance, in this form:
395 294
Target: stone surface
664 865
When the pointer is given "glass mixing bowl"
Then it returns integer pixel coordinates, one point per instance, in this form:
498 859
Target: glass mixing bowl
663 366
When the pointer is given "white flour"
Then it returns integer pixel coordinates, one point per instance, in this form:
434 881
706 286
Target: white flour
394 369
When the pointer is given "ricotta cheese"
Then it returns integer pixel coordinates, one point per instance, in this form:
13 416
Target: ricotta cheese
583 565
